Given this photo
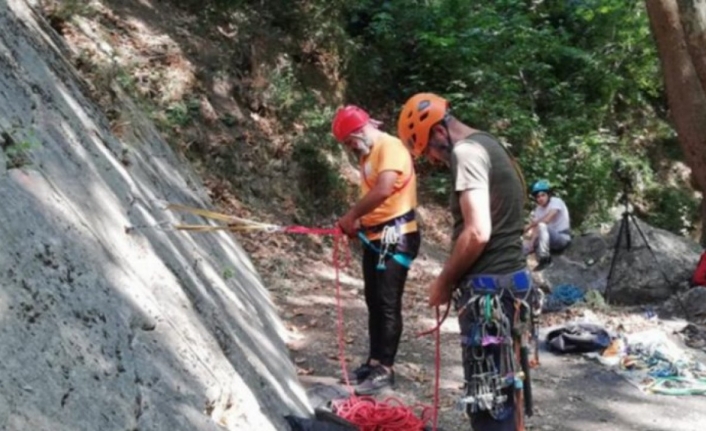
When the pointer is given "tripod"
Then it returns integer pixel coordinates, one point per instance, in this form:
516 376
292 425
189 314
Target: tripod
624 230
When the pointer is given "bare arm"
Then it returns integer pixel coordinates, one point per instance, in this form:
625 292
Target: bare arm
383 189
477 227
551 215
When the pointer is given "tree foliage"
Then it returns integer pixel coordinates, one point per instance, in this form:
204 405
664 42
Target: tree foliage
571 85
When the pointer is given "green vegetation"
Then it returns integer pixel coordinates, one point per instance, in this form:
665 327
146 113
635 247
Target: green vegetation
17 144
572 86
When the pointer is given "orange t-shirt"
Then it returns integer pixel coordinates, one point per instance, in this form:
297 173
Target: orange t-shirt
389 154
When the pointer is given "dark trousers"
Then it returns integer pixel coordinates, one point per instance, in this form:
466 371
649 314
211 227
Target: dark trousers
383 296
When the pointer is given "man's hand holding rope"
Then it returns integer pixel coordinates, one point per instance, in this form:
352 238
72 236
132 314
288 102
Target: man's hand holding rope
439 293
349 224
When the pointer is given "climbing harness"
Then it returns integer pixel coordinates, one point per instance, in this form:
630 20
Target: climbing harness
388 240
497 318
387 249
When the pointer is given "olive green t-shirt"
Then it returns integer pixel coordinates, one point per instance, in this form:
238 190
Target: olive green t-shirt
481 162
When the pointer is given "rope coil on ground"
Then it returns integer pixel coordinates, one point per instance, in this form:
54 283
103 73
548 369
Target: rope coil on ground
391 414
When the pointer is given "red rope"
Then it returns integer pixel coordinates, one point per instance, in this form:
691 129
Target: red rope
388 415
437 328
337 239
335 231
366 412
437 364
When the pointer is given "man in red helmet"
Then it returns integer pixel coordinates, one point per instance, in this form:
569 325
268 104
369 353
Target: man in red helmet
384 220
486 271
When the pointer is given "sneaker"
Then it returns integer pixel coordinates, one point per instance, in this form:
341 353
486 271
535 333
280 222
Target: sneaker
544 263
358 375
378 379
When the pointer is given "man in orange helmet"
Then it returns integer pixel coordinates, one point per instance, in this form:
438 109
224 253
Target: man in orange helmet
486 272
384 220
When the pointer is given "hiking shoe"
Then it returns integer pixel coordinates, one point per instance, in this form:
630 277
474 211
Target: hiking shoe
544 263
358 375
378 379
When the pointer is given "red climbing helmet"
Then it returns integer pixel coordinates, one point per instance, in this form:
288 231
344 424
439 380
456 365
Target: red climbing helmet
347 120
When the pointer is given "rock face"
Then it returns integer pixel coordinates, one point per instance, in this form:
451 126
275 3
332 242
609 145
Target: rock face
105 328
638 276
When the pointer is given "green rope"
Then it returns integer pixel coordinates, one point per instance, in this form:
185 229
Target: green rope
698 388
487 308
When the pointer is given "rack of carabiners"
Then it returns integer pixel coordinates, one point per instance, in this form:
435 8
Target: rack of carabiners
496 355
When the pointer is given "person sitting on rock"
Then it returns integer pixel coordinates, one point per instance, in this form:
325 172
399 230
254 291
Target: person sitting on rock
550 228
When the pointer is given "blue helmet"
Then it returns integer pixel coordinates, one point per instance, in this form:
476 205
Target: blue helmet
541 186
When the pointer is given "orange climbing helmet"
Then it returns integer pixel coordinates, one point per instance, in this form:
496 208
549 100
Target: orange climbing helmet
419 114
347 120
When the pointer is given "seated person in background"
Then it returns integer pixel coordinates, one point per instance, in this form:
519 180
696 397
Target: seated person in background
550 228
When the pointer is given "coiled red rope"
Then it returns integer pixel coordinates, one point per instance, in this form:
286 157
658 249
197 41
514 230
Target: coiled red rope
390 414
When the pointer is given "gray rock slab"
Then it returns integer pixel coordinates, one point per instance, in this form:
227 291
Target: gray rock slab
109 319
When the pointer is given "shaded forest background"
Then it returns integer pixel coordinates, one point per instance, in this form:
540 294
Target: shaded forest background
574 88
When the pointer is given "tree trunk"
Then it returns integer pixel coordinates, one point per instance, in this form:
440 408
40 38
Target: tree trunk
702 240
686 93
693 19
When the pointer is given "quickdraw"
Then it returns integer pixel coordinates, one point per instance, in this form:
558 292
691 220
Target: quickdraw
386 249
388 240
489 335
484 389
495 355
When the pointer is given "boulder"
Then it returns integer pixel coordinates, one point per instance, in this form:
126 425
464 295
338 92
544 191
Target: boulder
579 265
692 302
655 266
111 320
